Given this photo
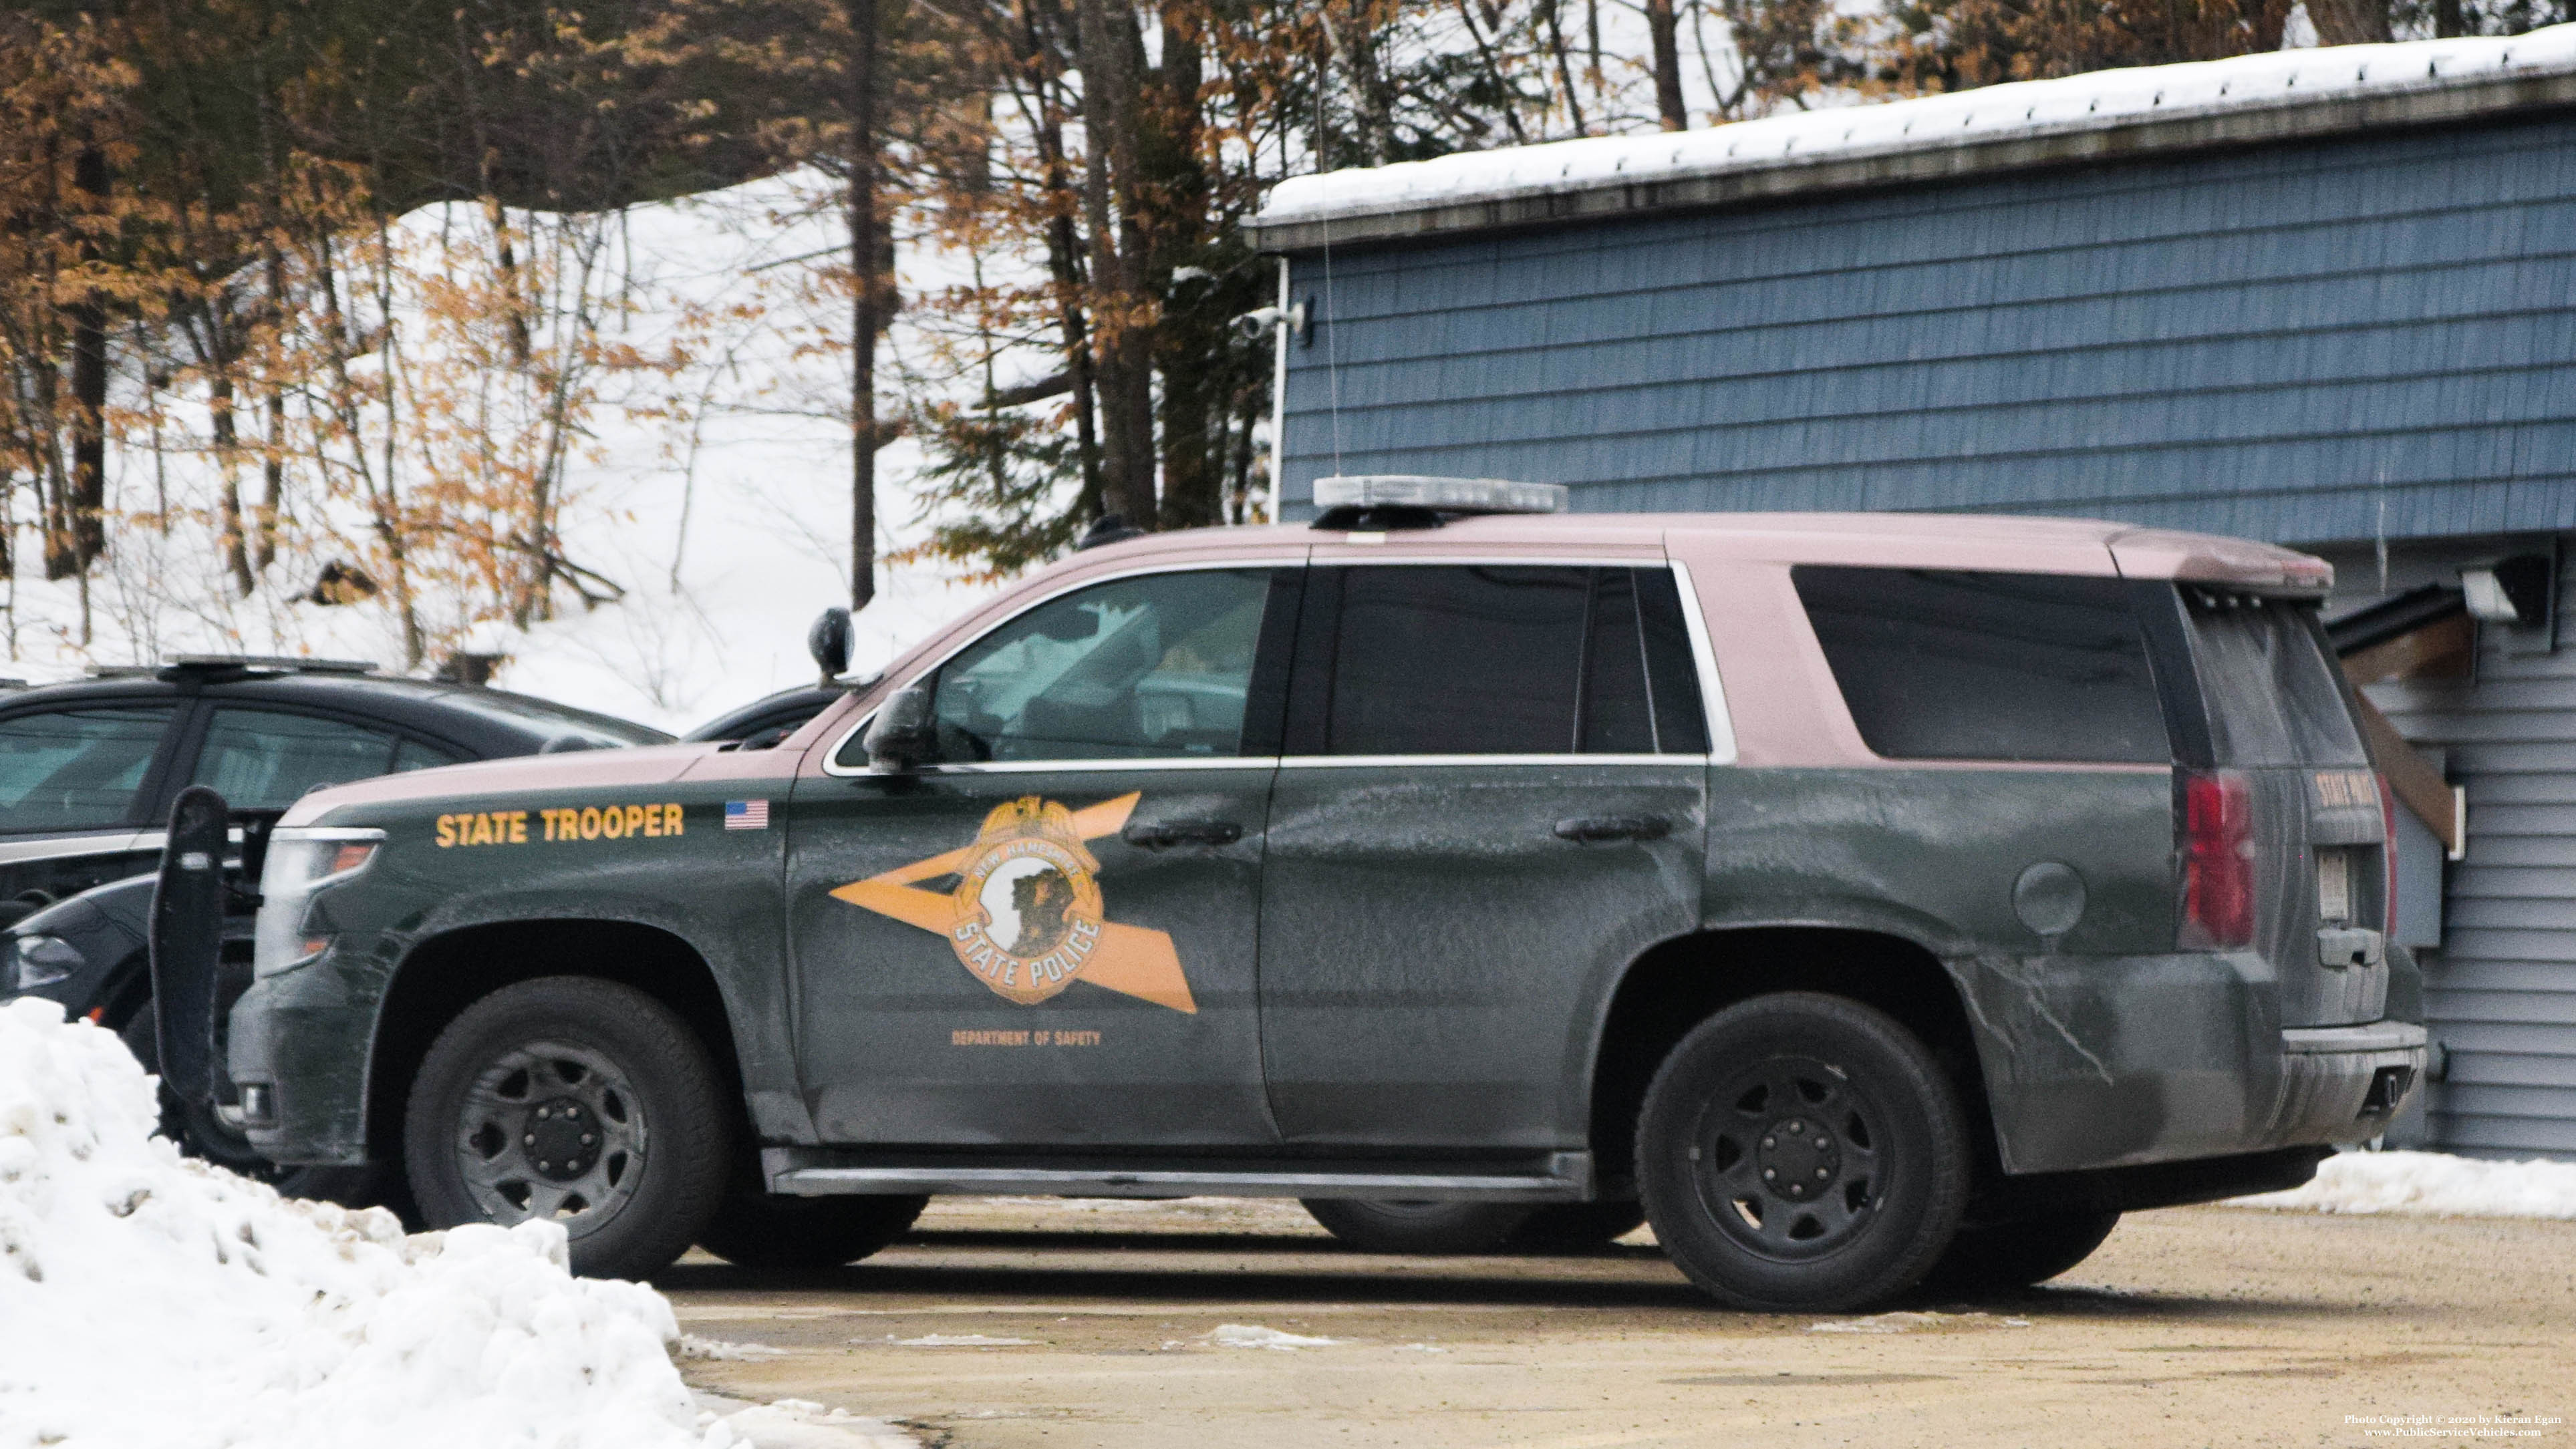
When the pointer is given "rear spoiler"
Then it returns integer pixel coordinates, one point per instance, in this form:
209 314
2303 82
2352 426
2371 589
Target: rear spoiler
197 892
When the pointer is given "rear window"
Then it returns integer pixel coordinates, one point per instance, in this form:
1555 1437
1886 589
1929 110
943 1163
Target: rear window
1498 660
2272 695
1945 665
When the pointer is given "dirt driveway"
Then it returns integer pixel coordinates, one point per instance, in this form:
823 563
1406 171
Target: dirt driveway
1010 1323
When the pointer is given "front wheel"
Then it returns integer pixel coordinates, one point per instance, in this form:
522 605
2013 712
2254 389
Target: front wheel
577 1100
1802 1153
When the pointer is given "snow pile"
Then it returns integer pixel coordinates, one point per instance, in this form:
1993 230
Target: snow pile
147 1300
1910 1322
693 1347
2430 1184
2086 102
799 1424
1245 1335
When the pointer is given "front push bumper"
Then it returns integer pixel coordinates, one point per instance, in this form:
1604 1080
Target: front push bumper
311 1056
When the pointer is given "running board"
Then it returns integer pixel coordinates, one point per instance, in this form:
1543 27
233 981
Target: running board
812 1172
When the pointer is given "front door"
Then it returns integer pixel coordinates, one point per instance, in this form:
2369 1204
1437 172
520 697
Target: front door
1046 939
1491 801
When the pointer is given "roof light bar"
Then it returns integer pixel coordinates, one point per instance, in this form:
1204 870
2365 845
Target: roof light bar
1440 495
183 664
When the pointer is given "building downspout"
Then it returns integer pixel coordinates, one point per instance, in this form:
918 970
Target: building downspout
1278 399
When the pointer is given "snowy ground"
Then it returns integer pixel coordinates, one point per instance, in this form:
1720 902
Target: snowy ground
152 1302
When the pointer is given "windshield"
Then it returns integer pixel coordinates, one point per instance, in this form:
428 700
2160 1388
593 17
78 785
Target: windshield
2272 694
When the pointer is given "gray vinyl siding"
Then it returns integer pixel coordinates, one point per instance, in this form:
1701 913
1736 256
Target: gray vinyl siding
2501 991
2322 340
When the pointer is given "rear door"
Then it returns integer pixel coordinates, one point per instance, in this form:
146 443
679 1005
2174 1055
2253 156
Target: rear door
1491 800
2278 715
260 758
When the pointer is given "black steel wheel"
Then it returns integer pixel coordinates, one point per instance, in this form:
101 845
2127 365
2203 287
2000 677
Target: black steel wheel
1577 1227
755 1229
1802 1153
2002 1257
1379 1226
581 1101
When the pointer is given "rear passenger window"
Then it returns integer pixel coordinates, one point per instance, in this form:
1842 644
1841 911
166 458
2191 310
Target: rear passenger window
414 755
261 759
1942 665
1504 660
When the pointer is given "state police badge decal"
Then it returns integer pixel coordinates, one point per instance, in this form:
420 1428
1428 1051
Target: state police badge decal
1027 917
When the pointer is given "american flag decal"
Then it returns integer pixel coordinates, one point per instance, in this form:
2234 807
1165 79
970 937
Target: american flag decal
746 815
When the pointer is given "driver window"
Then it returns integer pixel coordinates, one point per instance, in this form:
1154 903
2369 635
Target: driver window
1139 668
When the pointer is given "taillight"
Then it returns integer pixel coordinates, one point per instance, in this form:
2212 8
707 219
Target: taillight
2387 858
2218 860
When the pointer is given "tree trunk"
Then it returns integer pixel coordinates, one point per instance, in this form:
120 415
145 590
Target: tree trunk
1664 32
219 403
1190 343
89 392
1121 344
2350 22
867 298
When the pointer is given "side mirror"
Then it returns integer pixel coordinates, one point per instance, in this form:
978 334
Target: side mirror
829 642
904 734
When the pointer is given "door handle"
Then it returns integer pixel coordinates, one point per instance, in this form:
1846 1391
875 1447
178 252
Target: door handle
1598 829
1163 834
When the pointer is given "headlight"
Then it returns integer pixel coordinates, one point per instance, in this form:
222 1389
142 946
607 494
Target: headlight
41 961
303 860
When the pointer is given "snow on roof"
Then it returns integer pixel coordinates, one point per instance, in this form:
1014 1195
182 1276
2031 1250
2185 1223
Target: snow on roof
2099 100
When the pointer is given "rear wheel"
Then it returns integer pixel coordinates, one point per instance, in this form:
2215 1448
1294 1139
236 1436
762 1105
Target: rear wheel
577 1100
1380 1226
755 1229
2006 1256
1802 1153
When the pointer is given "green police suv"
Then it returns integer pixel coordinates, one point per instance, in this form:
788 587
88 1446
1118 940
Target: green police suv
1860 899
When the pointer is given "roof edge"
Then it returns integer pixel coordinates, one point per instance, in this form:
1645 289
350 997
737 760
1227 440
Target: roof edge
2072 143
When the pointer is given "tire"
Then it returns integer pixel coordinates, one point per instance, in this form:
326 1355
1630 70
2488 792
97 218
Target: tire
755 1229
1747 1203
2006 1256
1377 1226
201 1134
580 1066
1577 1227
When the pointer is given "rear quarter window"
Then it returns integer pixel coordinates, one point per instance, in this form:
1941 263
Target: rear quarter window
1951 665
